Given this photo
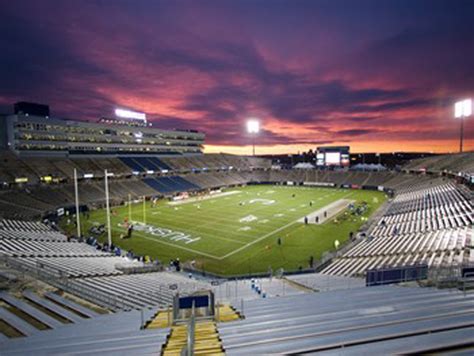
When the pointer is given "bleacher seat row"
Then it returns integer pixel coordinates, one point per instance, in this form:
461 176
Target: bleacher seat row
356 321
432 225
455 163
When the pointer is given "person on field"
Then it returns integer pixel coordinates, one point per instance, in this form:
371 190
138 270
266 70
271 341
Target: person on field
129 231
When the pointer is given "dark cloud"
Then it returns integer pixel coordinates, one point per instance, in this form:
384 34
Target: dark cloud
355 132
313 72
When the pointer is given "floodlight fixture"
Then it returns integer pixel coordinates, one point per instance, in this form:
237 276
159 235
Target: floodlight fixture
253 128
462 110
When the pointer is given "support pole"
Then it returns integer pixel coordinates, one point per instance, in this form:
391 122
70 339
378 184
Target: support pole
191 329
107 205
462 134
169 315
144 210
76 192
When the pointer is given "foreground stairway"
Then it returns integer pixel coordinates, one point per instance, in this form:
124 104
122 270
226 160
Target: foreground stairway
206 335
206 340
227 313
159 321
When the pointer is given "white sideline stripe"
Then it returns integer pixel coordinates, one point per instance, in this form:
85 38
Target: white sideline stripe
265 236
230 253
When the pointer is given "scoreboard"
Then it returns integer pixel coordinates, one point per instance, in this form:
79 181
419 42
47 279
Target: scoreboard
333 156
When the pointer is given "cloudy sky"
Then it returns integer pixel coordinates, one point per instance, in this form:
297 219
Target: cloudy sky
379 76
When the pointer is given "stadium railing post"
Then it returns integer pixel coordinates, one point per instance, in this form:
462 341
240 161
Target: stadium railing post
191 327
169 315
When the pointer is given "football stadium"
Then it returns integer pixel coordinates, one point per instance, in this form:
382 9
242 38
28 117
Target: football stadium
120 235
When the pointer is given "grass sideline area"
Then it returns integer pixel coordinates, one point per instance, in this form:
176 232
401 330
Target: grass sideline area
238 233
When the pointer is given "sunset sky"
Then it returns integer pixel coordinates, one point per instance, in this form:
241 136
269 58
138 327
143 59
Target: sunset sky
380 76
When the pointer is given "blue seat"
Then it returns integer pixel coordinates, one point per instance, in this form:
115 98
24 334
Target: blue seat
129 161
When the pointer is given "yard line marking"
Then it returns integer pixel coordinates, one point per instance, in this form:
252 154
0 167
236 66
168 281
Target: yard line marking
257 240
265 236
230 240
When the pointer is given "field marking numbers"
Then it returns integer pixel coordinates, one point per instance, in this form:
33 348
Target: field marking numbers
248 218
234 241
267 235
263 201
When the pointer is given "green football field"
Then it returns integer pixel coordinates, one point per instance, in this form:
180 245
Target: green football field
237 231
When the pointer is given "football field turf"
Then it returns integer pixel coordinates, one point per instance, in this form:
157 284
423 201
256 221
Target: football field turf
237 232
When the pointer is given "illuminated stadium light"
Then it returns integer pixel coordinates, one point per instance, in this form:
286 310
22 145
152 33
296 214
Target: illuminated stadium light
253 128
128 114
462 109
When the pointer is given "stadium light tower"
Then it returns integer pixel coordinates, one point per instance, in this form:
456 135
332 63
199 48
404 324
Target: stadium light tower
462 110
253 128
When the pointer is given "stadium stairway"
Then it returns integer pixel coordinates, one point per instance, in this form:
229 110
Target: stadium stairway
226 312
206 340
160 320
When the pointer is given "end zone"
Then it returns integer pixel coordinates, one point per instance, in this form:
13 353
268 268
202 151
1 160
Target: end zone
328 212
